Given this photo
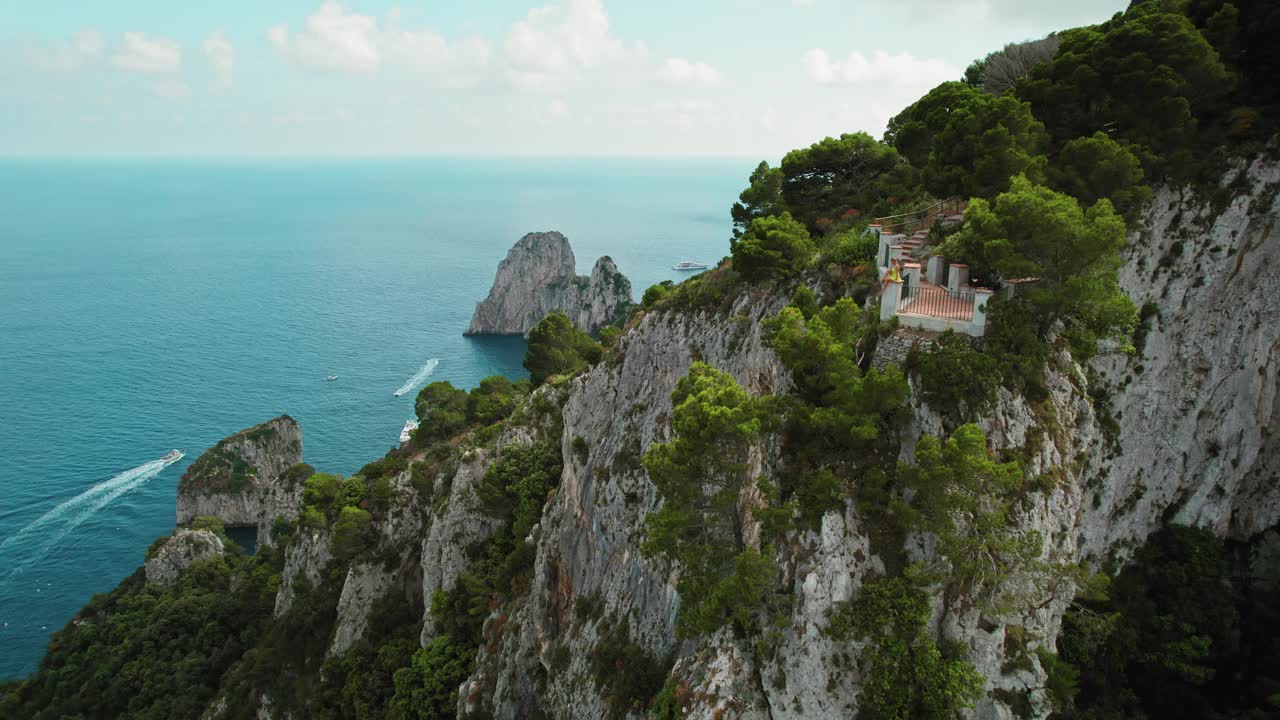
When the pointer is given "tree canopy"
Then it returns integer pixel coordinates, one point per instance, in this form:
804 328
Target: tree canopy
558 347
1033 231
773 247
699 475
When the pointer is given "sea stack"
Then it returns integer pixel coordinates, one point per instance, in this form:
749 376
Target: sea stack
538 277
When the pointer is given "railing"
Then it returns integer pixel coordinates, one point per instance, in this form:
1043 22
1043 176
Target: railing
922 218
936 302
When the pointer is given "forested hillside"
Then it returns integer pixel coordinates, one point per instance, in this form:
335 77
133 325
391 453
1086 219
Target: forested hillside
758 499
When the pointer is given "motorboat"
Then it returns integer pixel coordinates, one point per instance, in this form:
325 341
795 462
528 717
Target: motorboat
172 457
689 265
331 378
407 433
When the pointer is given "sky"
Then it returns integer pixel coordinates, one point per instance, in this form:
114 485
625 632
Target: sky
742 78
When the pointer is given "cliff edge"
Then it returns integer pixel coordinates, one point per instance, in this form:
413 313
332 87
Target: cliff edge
242 479
538 277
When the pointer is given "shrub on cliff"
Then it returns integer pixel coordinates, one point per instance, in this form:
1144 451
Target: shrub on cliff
1033 231
442 412
773 247
494 399
909 677
557 347
699 475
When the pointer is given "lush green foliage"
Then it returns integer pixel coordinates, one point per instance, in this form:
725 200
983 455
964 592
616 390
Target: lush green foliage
1092 168
964 496
984 143
1146 74
848 409
773 247
699 475
762 198
442 412
909 678
1033 231
655 294
955 380
145 651
1179 636
558 347
494 399
835 175
628 675
428 688
851 247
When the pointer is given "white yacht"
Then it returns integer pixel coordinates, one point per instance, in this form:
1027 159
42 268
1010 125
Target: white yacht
407 433
173 457
331 378
689 265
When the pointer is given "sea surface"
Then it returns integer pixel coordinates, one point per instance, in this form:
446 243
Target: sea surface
155 304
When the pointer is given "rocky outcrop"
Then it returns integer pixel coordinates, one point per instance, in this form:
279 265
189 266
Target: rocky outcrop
244 480
179 552
1186 435
539 276
1192 442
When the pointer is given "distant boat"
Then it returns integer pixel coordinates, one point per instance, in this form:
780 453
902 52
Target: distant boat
331 378
407 433
689 265
172 457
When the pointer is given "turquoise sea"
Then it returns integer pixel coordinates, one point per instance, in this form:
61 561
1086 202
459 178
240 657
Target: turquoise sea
156 304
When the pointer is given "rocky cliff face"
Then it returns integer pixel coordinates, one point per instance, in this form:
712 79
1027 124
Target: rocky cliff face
1193 445
537 277
179 552
1185 436
242 479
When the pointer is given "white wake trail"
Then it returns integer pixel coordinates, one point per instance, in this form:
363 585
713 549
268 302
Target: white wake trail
56 523
419 377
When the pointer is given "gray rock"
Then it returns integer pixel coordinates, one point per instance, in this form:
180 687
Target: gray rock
537 277
179 552
240 479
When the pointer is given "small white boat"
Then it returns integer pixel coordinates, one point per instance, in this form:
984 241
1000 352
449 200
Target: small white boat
689 265
331 378
172 457
407 433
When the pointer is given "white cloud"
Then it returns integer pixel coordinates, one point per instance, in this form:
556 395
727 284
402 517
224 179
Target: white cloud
337 39
883 68
333 38
552 45
679 71
83 47
148 55
222 56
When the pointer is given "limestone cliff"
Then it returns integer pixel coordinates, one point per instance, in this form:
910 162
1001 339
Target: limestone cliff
1185 436
242 479
537 277
1194 444
179 552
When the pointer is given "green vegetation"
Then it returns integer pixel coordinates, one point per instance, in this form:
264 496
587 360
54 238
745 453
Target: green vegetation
144 651
965 497
1033 231
1178 636
909 677
558 347
699 475
442 412
428 688
774 247
835 175
627 675
955 380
